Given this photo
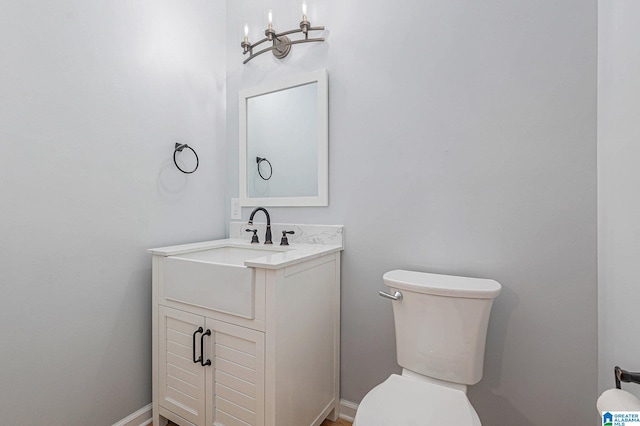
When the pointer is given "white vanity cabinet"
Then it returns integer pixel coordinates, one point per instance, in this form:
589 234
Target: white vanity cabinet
230 389
275 362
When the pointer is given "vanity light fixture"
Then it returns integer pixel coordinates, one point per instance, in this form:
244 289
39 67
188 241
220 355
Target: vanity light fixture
281 44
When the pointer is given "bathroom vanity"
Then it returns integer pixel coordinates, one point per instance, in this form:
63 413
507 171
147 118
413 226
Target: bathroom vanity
248 334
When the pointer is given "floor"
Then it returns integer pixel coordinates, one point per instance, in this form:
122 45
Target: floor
339 422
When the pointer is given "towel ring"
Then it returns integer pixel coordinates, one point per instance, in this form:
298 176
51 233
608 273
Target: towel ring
260 160
179 147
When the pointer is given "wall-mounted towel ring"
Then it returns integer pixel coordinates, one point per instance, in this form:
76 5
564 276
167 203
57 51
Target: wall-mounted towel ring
260 160
179 148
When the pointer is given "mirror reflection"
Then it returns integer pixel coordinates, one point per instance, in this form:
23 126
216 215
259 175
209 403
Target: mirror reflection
283 142
282 136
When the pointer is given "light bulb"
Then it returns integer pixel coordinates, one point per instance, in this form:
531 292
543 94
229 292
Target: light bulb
270 19
304 10
246 33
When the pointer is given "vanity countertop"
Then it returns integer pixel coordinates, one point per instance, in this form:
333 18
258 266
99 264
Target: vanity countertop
285 255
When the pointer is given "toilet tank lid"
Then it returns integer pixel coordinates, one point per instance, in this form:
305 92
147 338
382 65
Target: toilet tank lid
442 285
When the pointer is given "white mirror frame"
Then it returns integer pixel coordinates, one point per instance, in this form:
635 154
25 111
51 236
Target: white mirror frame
322 199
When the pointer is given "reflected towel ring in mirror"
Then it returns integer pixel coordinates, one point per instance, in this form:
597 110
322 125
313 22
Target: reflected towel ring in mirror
260 160
178 148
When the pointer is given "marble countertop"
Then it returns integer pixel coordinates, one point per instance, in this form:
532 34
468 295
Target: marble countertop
285 255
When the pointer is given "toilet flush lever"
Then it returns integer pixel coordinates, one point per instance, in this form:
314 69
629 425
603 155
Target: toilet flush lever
395 296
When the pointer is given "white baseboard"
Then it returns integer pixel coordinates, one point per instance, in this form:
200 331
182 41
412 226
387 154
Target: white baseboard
142 417
348 410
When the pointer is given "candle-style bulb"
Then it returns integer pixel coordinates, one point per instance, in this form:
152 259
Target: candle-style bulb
304 11
270 19
246 30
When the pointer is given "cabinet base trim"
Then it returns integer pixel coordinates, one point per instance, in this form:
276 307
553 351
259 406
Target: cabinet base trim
142 417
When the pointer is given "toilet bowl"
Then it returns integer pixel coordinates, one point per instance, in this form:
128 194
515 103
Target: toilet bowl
441 325
407 401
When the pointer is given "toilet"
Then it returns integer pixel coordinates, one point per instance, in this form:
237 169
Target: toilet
441 328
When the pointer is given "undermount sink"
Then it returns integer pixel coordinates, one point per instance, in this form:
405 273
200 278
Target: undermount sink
215 278
230 255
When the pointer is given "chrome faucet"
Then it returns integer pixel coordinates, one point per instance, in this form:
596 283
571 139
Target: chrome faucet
267 237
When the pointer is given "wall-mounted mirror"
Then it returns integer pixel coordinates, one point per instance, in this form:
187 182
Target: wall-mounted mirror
284 142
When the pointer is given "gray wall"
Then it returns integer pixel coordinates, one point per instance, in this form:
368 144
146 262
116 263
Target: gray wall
462 141
93 95
618 177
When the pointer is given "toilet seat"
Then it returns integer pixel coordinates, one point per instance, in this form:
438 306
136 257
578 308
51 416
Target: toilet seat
405 401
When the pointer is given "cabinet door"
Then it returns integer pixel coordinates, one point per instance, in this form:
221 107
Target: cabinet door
182 381
235 380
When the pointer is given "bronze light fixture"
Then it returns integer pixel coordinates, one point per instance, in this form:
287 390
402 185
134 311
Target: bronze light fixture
280 43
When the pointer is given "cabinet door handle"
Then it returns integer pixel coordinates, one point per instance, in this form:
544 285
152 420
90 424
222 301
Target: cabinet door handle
207 362
199 330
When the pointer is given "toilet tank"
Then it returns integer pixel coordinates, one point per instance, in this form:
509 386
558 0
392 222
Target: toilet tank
441 323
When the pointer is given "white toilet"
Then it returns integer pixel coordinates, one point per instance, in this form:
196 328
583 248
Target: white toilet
441 327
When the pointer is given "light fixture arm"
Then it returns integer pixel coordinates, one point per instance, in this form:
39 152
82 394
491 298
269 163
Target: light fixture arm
281 43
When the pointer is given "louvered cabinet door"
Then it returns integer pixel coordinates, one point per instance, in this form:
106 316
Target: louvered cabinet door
182 381
235 379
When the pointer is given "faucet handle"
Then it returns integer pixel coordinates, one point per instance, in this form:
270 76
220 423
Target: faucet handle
284 241
254 239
